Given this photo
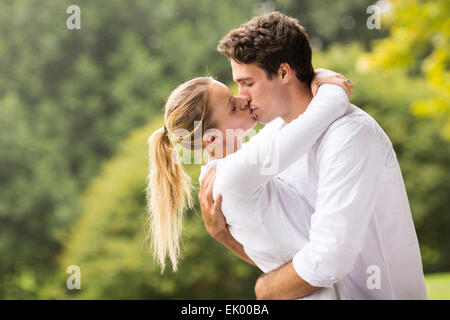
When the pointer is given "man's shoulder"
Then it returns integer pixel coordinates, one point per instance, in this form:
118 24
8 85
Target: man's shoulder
353 117
353 121
356 127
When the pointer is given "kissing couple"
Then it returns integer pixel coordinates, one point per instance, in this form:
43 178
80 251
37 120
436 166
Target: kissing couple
316 199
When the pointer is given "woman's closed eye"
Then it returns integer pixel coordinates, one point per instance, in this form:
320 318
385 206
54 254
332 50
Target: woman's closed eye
232 104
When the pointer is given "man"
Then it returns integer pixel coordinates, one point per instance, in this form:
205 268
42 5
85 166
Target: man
362 230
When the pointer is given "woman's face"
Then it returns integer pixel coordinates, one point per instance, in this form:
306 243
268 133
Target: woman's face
230 113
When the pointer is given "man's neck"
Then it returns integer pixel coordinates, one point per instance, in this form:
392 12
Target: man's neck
298 99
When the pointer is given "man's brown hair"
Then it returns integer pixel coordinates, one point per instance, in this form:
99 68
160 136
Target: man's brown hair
270 40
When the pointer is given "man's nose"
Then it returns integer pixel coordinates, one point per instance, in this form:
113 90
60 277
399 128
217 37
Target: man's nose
243 92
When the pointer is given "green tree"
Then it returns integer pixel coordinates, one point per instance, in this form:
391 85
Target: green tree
419 42
67 98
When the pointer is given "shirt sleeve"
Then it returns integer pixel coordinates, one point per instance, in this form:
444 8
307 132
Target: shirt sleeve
263 157
350 160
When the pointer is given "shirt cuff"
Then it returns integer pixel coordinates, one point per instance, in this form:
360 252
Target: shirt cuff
308 271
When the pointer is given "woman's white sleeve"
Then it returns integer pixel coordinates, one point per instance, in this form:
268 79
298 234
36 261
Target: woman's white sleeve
261 159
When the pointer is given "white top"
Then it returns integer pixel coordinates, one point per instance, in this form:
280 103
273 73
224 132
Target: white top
258 206
362 229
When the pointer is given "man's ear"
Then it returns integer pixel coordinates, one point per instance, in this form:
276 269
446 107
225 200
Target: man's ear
285 72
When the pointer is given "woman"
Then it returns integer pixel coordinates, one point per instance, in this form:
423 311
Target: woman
253 197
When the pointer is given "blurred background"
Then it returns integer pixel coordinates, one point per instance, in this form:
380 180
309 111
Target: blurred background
77 107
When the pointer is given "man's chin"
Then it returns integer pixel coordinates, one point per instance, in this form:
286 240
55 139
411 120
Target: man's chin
263 120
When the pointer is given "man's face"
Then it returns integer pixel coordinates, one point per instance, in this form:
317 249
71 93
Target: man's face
264 94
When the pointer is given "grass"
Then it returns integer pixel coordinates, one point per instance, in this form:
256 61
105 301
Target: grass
438 286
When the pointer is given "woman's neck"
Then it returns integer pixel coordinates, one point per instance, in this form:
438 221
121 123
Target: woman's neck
225 150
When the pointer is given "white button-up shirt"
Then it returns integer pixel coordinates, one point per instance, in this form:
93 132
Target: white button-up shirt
256 202
362 229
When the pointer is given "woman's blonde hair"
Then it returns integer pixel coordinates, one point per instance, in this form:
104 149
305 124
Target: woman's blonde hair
168 186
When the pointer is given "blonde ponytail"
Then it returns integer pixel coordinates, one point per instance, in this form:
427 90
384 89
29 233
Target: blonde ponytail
168 196
168 186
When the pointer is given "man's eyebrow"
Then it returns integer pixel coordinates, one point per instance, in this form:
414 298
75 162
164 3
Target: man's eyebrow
242 79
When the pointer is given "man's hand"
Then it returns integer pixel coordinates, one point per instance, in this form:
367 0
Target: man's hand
323 76
213 217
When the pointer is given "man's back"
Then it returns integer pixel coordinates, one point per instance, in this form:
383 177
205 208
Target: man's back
362 228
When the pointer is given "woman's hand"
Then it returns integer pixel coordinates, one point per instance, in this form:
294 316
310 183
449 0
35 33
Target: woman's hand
213 217
323 76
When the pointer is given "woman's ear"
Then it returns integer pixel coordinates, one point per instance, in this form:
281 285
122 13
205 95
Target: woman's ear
209 138
213 142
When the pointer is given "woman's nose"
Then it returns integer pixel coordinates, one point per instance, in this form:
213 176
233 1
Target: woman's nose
243 102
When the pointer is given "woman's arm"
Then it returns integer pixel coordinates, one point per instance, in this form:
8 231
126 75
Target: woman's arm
323 76
260 160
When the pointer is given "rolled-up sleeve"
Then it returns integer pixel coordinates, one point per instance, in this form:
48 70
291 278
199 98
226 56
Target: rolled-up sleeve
350 160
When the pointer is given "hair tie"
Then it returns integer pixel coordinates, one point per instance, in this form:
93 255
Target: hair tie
165 129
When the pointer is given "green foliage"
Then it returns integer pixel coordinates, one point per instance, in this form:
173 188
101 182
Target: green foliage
438 286
67 97
420 41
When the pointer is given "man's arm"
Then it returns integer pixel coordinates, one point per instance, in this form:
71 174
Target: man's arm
282 284
214 219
